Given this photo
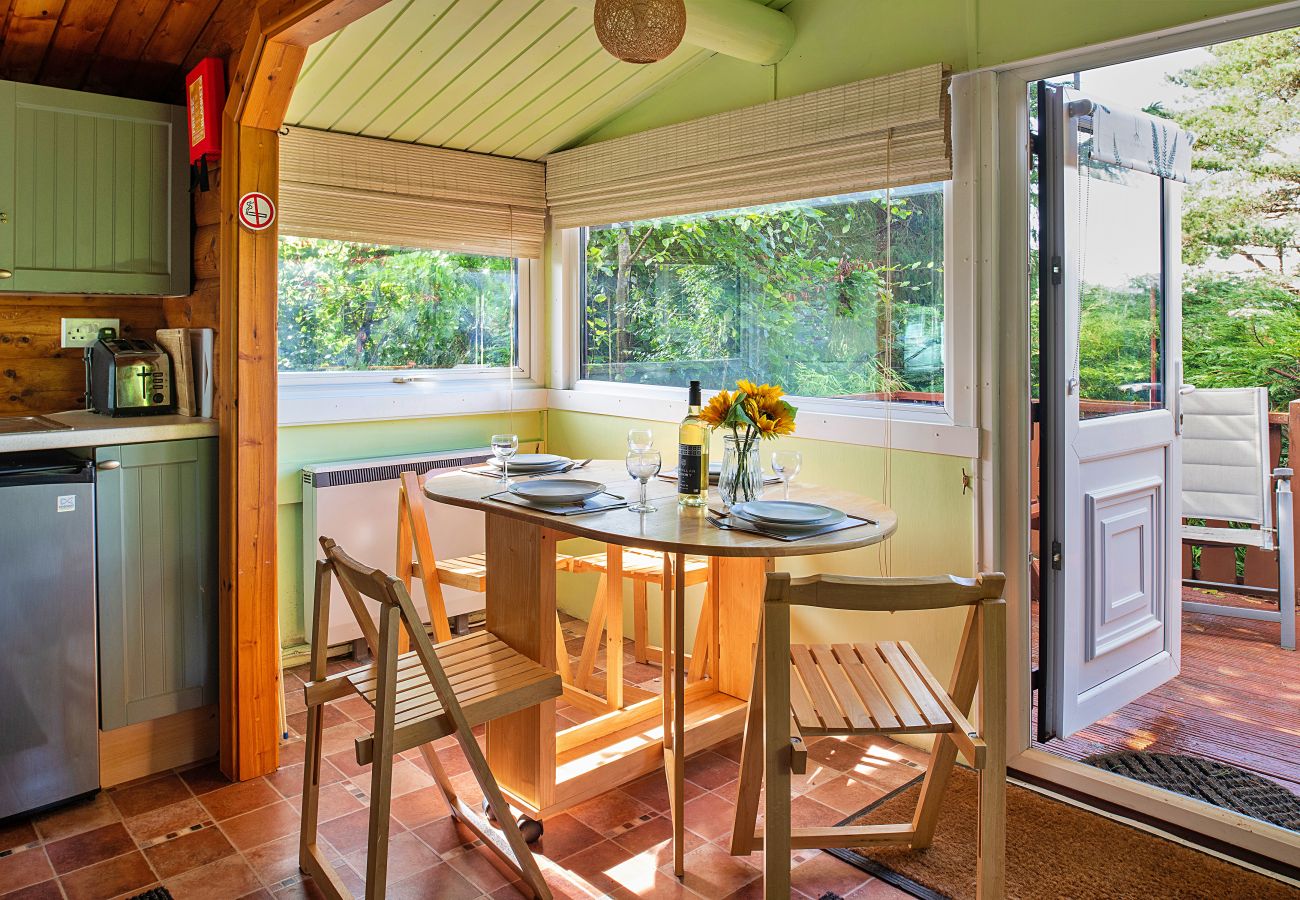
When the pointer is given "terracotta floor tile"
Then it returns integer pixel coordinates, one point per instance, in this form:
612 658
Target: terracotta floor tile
441 882
710 815
837 753
875 889
154 794
333 716
109 878
336 800
607 867
730 748
167 820
825 873
655 837
341 738
356 708
204 778
444 835
220 880
474 867
349 833
17 834
848 793
563 835
652 790
610 812
89 847
25 868
80 816
46 890
259 894
346 762
712 872
292 752
407 777
808 813
237 799
274 861
711 770
189 851
420 807
407 856
262 825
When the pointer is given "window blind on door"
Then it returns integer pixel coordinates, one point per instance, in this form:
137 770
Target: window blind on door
346 187
894 129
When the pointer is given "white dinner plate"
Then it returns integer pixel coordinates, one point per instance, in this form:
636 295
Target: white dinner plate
556 491
530 461
835 518
785 512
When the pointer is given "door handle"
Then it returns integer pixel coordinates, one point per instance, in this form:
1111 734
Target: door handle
109 464
5 273
1186 389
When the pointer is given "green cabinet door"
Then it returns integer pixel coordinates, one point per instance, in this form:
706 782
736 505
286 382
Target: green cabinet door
156 530
93 193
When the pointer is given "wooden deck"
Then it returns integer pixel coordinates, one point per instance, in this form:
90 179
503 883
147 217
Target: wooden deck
1237 701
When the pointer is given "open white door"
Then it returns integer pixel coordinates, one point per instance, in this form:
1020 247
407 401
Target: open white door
1112 364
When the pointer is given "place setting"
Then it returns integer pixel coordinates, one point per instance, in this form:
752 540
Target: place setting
557 496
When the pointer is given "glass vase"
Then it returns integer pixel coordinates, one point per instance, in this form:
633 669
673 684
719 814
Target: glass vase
741 478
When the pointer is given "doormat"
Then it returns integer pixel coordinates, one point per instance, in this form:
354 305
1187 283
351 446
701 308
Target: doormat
1053 850
158 893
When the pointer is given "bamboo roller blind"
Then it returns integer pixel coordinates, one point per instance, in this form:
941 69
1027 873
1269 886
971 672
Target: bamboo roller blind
839 140
346 187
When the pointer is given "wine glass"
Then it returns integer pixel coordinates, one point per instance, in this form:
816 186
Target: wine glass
504 446
643 465
640 439
786 464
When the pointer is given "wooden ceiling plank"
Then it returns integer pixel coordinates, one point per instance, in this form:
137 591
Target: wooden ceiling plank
334 64
528 32
367 101
520 70
304 23
159 69
27 36
222 36
569 123
72 47
122 45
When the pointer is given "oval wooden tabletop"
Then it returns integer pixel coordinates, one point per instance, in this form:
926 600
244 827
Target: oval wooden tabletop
670 529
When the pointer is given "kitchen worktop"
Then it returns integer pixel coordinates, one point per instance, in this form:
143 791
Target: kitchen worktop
93 430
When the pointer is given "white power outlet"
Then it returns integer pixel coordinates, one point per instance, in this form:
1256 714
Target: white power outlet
84 332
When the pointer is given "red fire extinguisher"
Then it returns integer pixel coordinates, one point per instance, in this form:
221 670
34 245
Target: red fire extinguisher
205 95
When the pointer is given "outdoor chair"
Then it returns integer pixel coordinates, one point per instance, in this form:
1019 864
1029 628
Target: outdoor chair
417 697
873 688
1226 478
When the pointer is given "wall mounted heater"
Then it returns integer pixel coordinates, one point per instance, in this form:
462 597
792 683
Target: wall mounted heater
355 503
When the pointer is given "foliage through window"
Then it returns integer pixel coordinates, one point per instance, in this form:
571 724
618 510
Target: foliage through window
792 293
351 307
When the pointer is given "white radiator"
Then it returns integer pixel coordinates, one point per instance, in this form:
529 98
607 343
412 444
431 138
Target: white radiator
355 503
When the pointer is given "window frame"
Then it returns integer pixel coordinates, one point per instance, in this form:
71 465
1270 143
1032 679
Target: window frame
950 429
342 396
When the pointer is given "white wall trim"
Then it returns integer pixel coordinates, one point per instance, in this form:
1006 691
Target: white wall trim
334 405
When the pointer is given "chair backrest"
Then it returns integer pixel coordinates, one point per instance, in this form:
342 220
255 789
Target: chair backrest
1226 455
884 594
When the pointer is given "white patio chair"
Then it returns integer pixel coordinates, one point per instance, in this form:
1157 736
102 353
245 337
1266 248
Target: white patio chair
1226 477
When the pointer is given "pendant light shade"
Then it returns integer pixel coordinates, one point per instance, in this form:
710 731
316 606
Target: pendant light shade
640 31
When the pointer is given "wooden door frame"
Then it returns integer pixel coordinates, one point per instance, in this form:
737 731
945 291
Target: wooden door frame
279 34
1003 508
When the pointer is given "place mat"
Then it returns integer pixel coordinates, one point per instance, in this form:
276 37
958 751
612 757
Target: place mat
671 475
599 503
728 523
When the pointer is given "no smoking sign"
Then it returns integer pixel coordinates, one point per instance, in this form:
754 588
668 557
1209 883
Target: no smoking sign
256 211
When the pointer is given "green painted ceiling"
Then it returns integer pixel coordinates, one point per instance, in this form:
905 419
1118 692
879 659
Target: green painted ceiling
510 77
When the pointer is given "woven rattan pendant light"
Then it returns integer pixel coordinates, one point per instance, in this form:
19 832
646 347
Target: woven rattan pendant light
640 31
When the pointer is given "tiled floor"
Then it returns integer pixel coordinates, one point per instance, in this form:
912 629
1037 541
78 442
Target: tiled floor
204 837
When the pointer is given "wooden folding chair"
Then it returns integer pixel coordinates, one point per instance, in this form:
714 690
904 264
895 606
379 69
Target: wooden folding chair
881 688
418 697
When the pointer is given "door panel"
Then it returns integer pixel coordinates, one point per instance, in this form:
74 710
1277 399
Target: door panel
1111 355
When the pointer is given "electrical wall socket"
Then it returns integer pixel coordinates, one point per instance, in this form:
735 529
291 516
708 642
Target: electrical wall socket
84 332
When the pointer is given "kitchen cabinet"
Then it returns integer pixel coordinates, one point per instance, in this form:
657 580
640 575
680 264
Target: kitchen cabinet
156 531
93 194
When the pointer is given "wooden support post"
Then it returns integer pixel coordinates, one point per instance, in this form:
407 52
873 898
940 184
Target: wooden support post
614 626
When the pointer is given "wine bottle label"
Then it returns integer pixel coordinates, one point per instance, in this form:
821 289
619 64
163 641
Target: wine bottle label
689 467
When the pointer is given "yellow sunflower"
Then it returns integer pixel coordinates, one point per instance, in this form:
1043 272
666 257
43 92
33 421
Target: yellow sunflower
715 411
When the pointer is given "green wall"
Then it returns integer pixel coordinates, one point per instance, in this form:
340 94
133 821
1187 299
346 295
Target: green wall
838 41
302 445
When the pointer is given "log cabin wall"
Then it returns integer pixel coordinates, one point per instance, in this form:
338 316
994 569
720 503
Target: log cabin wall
140 49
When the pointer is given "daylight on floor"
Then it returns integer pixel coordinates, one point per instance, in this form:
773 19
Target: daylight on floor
648 448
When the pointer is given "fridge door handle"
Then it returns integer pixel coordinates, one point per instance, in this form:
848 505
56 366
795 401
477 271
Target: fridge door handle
109 464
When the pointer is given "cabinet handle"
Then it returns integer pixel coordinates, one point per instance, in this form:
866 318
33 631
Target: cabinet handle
109 464
5 273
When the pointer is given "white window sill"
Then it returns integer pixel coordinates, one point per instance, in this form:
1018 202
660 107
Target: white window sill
925 430
325 403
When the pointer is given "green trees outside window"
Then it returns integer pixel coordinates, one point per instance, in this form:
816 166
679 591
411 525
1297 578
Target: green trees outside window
354 307
837 297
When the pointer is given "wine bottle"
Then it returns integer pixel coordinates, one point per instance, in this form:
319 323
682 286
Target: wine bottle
693 454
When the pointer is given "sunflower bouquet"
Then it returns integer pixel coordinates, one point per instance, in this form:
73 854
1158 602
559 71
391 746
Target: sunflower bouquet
751 413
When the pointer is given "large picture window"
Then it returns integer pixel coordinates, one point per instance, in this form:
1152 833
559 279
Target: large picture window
350 307
839 297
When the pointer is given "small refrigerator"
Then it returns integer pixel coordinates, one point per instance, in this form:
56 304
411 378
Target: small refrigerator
49 739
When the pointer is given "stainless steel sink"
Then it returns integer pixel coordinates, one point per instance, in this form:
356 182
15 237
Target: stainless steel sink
28 424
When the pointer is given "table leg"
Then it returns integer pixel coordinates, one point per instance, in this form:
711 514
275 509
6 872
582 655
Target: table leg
674 699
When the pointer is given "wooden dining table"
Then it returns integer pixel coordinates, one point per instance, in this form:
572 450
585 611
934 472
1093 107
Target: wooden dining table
544 770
